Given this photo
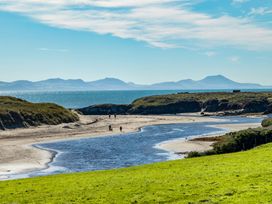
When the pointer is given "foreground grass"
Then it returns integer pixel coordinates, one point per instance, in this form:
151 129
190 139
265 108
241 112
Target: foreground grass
243 177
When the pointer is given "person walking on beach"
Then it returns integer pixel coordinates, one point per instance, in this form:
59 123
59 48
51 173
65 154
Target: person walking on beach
110 128
115 116
109 116
121 129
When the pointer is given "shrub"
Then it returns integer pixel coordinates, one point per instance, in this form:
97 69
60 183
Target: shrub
238 141
267 122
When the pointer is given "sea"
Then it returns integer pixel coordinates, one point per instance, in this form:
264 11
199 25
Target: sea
80 99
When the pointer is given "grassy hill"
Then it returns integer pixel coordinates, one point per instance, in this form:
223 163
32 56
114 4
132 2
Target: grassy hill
239 98
243 177
245 102
16 113
211 102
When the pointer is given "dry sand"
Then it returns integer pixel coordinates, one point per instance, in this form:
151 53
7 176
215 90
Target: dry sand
183 146
17 154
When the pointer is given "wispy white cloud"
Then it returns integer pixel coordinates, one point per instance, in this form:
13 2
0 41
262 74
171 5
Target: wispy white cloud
160 23
260 11
44 49
239 1
210 53
234 59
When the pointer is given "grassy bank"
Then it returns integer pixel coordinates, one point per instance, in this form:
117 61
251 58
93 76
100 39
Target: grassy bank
243 177
237 141
16 113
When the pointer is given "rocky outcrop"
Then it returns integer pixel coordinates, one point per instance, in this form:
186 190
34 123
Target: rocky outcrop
215 105
269 109
172 108
179 107
209 103
105 109
256 106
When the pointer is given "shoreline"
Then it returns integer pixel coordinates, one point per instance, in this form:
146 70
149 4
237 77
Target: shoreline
18 153
183 146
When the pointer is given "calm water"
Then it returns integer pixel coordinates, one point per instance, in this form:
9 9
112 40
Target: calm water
123 150
79 99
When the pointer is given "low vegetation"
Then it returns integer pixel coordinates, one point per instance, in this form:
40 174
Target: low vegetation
238 141
243 177
238 98
211 102
267 122
229 103
16 113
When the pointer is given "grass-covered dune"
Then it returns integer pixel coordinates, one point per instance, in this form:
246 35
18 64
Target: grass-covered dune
245 102
16 113
243 177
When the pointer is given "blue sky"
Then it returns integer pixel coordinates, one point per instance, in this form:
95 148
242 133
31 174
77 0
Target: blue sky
143 41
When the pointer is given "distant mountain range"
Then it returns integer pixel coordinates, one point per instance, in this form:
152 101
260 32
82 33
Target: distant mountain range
210 82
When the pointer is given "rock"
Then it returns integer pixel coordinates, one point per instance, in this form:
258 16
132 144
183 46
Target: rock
172 108
211 105
256 106
269 109
105 109
215 105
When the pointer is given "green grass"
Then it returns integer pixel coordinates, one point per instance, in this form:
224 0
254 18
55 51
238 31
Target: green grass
239 98
243 177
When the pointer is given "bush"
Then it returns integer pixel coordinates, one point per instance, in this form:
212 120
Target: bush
193 154
267 122
238 141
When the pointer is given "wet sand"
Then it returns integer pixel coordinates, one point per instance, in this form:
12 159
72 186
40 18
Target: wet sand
17 155
183 146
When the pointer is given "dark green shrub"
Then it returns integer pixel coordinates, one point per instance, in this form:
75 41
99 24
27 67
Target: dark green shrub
238 141
267 122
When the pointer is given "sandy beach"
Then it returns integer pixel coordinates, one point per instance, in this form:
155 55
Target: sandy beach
183 146
17 154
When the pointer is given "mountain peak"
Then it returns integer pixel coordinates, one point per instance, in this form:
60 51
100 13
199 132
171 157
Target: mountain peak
216 79
110 83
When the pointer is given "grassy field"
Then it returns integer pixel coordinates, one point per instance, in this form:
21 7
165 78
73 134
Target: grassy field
243 177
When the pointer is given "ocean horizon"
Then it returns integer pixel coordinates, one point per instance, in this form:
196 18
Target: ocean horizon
80 99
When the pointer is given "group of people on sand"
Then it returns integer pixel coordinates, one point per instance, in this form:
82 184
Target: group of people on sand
115 116
110 127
